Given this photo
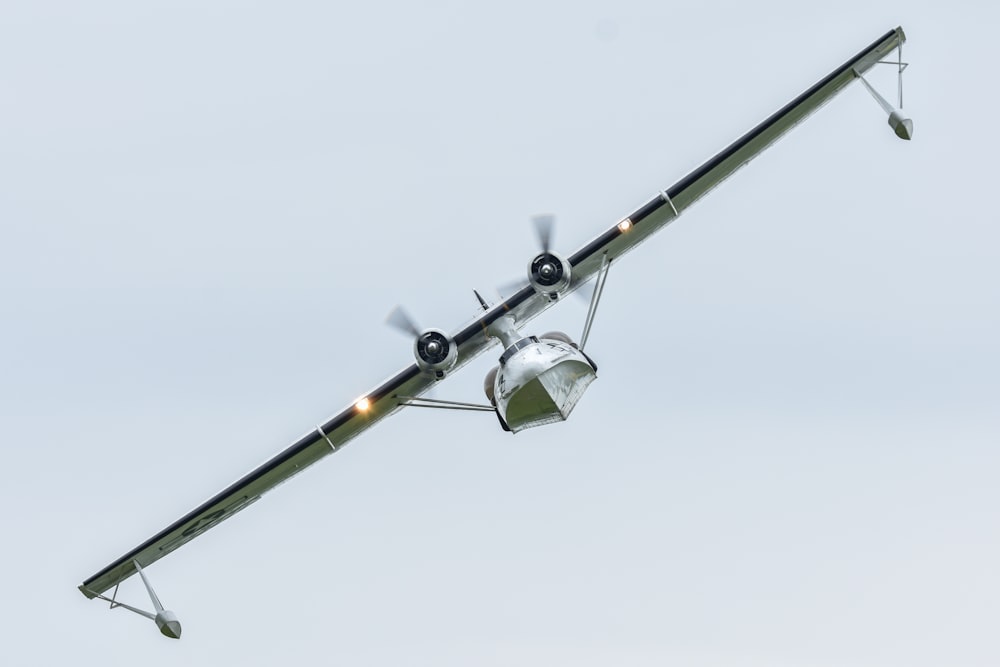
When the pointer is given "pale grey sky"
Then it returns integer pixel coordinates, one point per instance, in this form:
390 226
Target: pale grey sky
790 457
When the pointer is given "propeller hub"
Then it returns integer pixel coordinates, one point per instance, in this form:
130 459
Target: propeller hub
435 350
548 271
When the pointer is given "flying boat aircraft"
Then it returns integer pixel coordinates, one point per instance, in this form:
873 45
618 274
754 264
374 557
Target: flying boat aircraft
538 379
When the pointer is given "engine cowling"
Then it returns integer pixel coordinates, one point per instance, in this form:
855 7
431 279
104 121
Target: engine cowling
435 351
549 274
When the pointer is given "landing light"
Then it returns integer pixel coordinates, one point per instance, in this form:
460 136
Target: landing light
363 404
624 225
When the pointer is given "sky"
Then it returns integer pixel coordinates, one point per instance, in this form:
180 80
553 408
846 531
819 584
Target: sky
790 455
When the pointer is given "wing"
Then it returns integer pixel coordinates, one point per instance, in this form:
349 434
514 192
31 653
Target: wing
670 203
321 441
472 340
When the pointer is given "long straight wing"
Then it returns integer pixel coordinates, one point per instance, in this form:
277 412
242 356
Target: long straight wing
472 340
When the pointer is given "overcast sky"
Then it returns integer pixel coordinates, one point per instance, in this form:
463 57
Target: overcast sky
791 454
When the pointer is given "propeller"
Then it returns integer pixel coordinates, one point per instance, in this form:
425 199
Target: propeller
401 320
509 289
585 292
544 226
433 348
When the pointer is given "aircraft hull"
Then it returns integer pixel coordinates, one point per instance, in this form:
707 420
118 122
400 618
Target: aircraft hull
541 383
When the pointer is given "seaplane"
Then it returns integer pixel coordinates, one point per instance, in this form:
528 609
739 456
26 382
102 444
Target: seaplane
538 379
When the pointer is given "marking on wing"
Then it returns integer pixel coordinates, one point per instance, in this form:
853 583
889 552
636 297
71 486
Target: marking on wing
206 521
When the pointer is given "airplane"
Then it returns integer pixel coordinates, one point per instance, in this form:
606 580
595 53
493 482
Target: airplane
538 379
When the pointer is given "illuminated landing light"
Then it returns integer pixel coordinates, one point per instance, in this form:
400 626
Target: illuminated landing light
624 225
363 405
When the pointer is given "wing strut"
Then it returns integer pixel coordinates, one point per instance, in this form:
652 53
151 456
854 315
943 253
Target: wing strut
165 619
595 298
900 124
420 402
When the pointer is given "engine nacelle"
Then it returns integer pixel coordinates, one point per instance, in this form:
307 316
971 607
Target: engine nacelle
549 274
435 351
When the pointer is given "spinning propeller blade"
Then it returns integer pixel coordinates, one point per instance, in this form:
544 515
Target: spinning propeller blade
585 291
544 226
400 319
511 288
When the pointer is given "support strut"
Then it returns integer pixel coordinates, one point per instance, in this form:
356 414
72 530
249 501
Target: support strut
595 299
165 619
900 124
